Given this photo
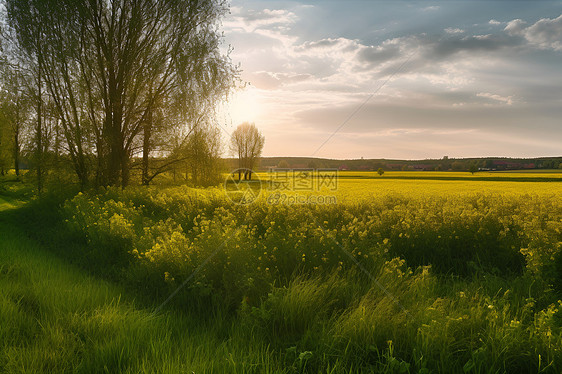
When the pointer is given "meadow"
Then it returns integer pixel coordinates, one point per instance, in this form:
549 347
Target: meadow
403 273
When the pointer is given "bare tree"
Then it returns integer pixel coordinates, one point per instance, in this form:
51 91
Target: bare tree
247 143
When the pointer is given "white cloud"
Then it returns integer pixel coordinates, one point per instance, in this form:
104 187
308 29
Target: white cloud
546 33
508 100
251 20
515 27
430 8
450 30
270 81
494 22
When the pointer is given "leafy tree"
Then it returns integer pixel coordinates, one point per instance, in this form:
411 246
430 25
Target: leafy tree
5 144
203 150
457 165
283 164
380 171
473 168
14 112
109 66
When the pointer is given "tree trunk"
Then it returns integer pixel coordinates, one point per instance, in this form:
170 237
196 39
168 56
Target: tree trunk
39 133
147 133
17 152
124 169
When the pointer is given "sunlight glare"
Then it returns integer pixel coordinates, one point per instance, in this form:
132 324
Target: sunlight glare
244 106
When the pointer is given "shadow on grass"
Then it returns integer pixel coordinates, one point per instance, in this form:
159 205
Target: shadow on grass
42 221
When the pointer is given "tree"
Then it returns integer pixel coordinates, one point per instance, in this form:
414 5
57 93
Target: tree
14 110
457 165
312 164
473 168
247 143
283 164
26 50
110 66
380 171
5 144
204 150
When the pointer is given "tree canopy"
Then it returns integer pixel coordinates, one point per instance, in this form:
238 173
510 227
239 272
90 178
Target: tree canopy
119 75
247 143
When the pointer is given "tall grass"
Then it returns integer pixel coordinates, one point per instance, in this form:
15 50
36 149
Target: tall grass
464 283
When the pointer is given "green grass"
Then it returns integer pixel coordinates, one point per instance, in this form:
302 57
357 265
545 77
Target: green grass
57 319
460 282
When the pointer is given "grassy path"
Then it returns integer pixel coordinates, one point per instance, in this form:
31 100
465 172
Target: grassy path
56 319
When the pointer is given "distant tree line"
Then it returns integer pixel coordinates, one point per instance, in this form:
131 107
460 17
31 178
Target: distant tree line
443 164
107 87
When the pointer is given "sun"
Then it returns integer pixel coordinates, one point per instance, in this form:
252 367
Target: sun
244 106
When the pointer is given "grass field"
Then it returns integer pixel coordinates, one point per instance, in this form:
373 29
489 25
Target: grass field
402 275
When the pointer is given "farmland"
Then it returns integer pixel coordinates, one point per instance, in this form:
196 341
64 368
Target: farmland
405 272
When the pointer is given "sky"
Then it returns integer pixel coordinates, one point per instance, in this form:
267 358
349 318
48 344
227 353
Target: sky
399 79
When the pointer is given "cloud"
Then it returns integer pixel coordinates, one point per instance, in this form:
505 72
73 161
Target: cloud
450 30
381 53
473 43
430 8
546 33
250 20
506 100
270 81
328 45
515 27
475 78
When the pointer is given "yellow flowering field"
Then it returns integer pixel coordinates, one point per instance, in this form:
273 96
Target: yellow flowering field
398 275
357 186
